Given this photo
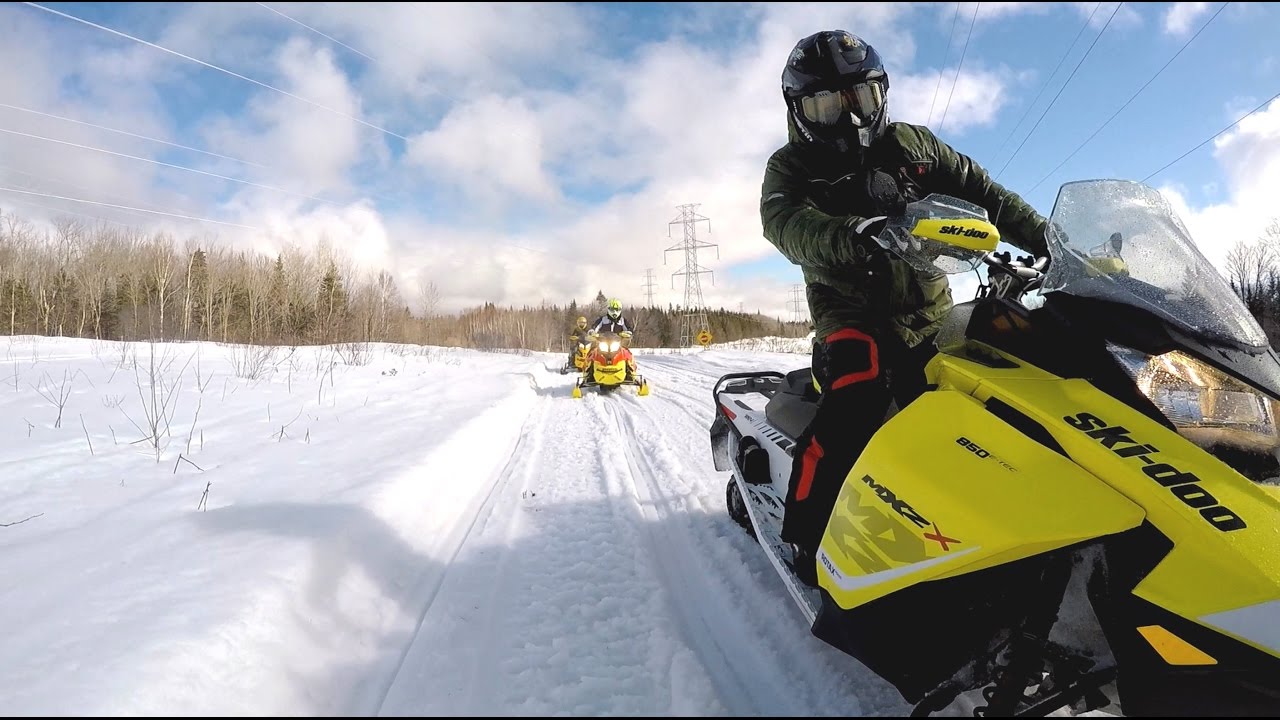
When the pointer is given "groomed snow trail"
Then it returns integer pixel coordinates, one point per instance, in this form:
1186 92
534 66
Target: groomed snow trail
601 574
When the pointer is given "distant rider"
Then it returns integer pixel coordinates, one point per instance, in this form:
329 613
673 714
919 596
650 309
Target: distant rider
577 333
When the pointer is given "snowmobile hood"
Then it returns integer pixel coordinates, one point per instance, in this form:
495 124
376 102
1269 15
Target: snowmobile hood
1224 550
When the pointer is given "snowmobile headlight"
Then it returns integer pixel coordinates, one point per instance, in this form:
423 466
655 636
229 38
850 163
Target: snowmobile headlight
1208 407
614 345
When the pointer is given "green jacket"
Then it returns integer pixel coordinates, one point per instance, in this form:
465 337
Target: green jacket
811 201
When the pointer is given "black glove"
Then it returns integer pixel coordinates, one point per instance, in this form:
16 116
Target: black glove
864 232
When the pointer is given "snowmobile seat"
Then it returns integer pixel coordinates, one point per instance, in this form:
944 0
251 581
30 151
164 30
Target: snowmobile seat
800 382
791 409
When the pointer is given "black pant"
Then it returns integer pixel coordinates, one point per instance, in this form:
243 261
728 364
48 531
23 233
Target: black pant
859 373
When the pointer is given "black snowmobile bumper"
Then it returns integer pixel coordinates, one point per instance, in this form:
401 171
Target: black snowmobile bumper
634 381
765 383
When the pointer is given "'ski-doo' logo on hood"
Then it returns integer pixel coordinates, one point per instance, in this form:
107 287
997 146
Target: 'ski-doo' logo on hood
1184 485
966 232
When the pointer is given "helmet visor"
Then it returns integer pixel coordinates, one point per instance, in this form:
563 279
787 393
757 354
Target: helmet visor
862 102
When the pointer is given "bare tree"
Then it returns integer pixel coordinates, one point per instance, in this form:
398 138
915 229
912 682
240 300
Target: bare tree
257 285
163 274
1250 265
428 296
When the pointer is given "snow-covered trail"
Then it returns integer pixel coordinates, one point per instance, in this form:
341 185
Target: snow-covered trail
430 531
604 577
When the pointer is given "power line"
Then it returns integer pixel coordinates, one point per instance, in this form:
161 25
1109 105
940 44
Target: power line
54 183
1131 98
63 211
1064 87
1210 139
159 212
126 132
214 175
125 207
1048 80
219 69
169 165
956 79
327 37
943 65
437 91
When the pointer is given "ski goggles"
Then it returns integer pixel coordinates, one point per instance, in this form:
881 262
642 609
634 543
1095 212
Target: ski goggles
862 102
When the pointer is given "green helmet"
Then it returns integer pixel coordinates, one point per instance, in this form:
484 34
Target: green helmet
615 308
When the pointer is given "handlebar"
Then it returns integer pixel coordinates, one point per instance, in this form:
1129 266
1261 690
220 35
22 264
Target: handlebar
1011 277
1025 266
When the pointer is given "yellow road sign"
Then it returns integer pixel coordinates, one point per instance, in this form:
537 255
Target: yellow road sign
704 338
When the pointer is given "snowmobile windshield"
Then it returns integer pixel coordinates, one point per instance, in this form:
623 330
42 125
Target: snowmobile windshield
1120 241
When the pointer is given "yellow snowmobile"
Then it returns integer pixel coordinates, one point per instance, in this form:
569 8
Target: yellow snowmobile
611 366
1081 511
581 353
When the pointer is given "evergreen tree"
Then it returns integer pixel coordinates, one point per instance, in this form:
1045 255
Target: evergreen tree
331 305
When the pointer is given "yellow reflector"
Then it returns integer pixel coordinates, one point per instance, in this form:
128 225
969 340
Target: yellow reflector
1174 649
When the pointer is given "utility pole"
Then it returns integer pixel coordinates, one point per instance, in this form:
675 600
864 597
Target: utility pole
694 318
797 314
648 287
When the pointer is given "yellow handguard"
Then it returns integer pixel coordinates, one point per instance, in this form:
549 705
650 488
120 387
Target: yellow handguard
968 233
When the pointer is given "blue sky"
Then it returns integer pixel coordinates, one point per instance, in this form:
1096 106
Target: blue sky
521 153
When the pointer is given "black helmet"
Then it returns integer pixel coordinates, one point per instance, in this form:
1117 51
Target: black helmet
835 86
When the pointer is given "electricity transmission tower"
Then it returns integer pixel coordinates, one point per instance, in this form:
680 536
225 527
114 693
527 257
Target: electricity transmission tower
694 318
648 287
798 310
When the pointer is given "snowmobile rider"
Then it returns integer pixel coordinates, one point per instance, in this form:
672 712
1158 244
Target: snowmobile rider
825 195
577 333
613 322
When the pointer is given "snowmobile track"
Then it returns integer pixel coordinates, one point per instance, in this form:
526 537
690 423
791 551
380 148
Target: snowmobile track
746 685
469 524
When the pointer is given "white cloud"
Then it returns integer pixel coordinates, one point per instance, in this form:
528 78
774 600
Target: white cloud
312 147
491 146
1099 13
974 99
989 11
430 56
1182 16
1249 156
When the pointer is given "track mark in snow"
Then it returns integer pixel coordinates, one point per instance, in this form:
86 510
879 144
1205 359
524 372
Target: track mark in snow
471 523
745 683
740 611
601 575
552 604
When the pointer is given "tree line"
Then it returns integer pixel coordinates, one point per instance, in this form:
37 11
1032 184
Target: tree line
117 283
1253 269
